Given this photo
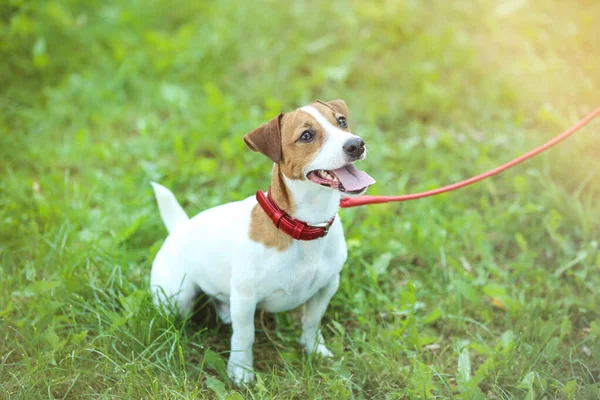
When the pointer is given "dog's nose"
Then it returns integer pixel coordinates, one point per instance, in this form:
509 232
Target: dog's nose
354 147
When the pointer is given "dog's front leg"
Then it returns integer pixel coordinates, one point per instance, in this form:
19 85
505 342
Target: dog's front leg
312 339
239 366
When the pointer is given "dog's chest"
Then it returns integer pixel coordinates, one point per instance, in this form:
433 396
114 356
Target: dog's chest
293 277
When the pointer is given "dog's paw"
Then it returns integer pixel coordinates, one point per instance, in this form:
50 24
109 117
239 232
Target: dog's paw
318 349
224 316
223 311
240 375
323 351
315 346
226 319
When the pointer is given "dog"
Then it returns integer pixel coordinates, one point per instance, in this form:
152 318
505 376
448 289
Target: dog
274 251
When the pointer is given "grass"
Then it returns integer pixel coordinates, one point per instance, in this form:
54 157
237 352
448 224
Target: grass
489 292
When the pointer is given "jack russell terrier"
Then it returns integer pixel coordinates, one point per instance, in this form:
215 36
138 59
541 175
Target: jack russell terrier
274 251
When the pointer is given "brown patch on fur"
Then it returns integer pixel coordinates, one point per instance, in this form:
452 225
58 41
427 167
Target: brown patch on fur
332 110
338 106
262 229
297 154
266 139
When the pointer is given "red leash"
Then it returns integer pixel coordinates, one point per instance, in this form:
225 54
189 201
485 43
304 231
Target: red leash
347 202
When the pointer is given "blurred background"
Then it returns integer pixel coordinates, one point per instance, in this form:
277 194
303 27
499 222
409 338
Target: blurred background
97 98
106 75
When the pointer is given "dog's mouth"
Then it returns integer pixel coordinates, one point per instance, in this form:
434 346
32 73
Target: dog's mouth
347 179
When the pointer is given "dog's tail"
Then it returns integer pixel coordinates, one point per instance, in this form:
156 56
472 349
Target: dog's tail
170 211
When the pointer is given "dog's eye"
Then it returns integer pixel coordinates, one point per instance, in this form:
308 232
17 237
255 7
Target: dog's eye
306 136
342 122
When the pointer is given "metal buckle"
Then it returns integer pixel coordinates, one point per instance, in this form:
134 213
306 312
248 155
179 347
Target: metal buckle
324 225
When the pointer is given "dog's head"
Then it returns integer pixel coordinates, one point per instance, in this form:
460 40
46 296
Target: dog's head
314 143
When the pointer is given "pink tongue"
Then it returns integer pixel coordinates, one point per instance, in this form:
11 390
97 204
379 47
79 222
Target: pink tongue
353 178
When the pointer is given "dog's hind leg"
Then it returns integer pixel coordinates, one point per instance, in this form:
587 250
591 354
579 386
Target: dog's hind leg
180 299
172 290
223 311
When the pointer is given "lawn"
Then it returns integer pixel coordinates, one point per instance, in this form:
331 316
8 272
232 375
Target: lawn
488 292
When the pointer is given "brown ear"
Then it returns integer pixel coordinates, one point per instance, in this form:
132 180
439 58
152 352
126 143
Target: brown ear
266 139
339 106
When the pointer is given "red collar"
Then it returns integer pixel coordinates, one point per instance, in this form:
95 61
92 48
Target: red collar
298 230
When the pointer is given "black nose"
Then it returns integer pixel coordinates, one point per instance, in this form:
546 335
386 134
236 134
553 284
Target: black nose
354 147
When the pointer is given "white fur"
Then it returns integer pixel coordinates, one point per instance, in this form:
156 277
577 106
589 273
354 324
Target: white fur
212 252
170 211
314 204
331 155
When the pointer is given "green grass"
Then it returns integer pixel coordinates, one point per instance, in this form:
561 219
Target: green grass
491 291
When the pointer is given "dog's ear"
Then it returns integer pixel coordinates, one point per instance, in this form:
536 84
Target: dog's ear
266 139
339 106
